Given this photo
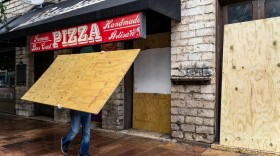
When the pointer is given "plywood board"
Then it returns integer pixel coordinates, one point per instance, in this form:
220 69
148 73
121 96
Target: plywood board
250 113
82 82
161 40
251 152
152 112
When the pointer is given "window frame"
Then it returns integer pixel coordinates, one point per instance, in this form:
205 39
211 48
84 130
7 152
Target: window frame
255 13
227 7
264 9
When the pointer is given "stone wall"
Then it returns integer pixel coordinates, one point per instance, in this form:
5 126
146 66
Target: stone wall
113 111
193 55
23 55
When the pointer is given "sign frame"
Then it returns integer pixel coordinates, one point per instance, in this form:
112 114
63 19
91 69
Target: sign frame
21 74
120 28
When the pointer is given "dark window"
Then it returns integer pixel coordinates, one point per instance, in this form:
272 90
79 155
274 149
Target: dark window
272 8
240 13
7 76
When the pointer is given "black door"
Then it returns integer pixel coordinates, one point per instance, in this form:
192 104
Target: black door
42 61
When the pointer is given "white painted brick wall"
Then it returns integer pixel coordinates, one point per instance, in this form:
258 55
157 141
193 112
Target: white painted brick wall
193 46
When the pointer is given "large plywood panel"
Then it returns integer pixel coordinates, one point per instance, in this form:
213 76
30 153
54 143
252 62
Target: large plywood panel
250 113
152 112
82 82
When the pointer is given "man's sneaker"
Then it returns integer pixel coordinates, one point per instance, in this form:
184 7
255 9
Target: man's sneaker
64 149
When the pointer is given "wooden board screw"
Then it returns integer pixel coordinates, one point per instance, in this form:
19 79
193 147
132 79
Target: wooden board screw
275 43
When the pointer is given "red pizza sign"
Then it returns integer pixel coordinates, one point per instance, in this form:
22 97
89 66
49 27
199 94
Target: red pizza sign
110 30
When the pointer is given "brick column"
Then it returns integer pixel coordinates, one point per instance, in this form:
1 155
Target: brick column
113 111
193 47
23 55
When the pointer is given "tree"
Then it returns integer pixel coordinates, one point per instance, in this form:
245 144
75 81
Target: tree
3 18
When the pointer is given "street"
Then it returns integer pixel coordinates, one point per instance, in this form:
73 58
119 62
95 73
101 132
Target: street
20 136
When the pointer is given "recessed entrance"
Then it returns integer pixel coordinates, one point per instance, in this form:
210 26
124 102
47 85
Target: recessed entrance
41 63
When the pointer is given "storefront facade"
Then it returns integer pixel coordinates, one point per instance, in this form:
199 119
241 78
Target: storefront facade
173 87
186 48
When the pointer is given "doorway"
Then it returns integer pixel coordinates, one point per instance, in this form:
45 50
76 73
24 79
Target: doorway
42 61
152 91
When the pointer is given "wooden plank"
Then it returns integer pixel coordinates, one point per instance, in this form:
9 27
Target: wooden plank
82 82
161 40
152 112
250 112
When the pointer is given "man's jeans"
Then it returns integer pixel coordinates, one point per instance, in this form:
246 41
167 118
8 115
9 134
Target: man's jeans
78 118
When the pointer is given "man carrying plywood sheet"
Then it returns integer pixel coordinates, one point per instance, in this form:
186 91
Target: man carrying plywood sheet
81 82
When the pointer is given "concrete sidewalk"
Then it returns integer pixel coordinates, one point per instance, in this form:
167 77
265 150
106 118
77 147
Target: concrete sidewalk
21 136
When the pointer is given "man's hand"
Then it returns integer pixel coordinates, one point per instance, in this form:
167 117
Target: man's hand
58 106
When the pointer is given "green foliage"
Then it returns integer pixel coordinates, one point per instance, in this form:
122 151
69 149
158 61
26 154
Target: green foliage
3 18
